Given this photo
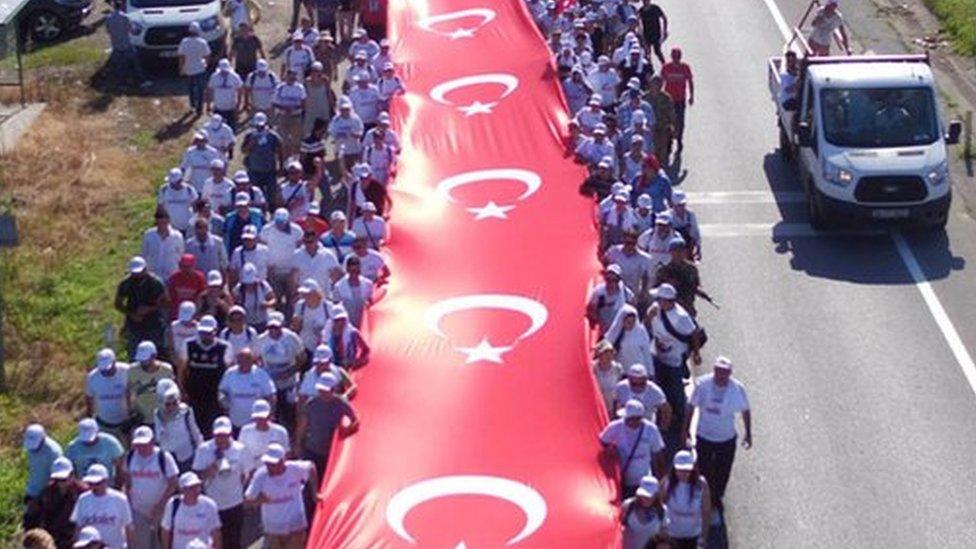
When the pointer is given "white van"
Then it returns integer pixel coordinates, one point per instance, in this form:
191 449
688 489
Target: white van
868 138
159 25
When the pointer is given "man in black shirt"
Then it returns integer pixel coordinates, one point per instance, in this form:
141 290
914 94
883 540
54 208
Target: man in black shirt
141 298
655 25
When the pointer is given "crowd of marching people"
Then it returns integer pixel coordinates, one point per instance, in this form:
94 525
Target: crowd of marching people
674 436
242 313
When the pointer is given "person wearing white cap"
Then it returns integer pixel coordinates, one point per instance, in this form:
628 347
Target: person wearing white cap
194 53
601 185
320 101
250 251
685 222
241 385
578 92
197 160
683 275
349 349
218 189
220 136
140 297
321 417
281 237
360 68
314 261
687 500
202 210
263 151
162 245
596 148
104 508
637 386
177 198
643 213
150 479
190 516
93 446
354 291
183 328
295 192
278 487
215 301
607 372
143 378
717 398
310 34
619 220
643 516
289 102
311 312
604 82
362 43
607 298
346 130
590 116
322 364
676 340
41 451
372 189
56 502
297 57
255 295
371 262
256 197
225 93
381 158
389 83
656 242
260 433
637 443
223 465
282 355
107 396
259 87
366 100
634 266
373 228
383 128
206 247
338 239
629 337
175 425
237 333
208 359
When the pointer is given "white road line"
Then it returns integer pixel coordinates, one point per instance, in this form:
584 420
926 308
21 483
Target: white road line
779 230
911 263
746 197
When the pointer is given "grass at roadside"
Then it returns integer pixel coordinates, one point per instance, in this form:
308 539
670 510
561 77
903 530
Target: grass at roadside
81 186
959 19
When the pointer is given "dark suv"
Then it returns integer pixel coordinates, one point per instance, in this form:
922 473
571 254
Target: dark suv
51 20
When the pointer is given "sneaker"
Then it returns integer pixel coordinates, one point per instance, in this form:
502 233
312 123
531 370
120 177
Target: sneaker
716 519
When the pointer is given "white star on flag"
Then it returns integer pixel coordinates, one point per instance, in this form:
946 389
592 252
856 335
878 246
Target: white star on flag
477 108
491 210
484 351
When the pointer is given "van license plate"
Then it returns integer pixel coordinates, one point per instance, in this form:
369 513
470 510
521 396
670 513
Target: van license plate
900 213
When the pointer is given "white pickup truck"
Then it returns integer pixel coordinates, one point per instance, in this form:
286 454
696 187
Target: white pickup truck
867 136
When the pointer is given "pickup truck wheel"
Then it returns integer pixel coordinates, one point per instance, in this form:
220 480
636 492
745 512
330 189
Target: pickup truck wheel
46 26
785 147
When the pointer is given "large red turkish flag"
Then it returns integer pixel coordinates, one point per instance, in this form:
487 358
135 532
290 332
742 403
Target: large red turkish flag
479 413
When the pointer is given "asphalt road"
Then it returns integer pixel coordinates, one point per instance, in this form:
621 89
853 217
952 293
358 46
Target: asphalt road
864 431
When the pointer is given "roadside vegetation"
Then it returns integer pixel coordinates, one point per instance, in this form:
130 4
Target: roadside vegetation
959 19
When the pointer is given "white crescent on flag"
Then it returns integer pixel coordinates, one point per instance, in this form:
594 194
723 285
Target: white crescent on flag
486 15
531 180
532 504
508 81
485 351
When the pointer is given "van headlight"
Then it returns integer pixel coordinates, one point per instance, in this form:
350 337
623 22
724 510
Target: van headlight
136 28
209 24
836 175
939 174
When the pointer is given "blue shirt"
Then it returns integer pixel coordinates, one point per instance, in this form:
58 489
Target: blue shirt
39 466
659 189
234 227
105 450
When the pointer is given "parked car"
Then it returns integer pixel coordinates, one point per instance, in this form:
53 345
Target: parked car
44 21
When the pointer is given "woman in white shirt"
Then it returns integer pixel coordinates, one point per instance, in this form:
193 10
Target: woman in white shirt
311 313
643 516
607 371
630 338
176 426
688 501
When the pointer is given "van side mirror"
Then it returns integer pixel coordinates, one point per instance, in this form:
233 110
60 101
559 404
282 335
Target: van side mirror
804 135
955 130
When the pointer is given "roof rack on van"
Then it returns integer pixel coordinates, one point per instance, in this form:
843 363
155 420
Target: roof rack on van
886 58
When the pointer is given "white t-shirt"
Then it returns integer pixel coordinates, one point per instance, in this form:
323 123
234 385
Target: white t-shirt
652 396
311 377
284 511
313 320
825 26
221 138
374 230
241 390
289 96
624 438
240 340
370 264
667 348
262 89
318 266
178 203
633 268
717 407
148 482
226 487
278 356
259 256
109 514
281 245
109 393
224 87
220 194
195 50
193 522
196 164
256 442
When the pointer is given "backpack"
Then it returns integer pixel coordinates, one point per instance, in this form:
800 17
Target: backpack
161 456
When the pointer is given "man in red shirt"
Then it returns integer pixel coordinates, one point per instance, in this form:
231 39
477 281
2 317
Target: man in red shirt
186 283
680 86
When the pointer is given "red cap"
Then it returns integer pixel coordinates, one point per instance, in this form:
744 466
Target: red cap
188 260
652 162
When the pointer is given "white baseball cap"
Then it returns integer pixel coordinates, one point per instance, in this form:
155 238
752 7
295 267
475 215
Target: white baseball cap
207 324
164 386
294 165
723 363
645 201
87 536
600 129
260 409
649 487
275 319
222 426
217 164
249 274
369 207
146 349
137 264
87 430
240 176
260 119
345 102
142 435
637 370
362 170
281 215
323 353
250 231
274 454
633 408
174 175
664 291
189 479
242 199
95 474
615 269
327 382
34 435
214 278
337 215
223 64
61 468
684 461
679 197
194 28
189 308
105 359
663 218
311 285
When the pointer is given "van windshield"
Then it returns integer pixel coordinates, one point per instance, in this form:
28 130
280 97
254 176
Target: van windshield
879 117
141 4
